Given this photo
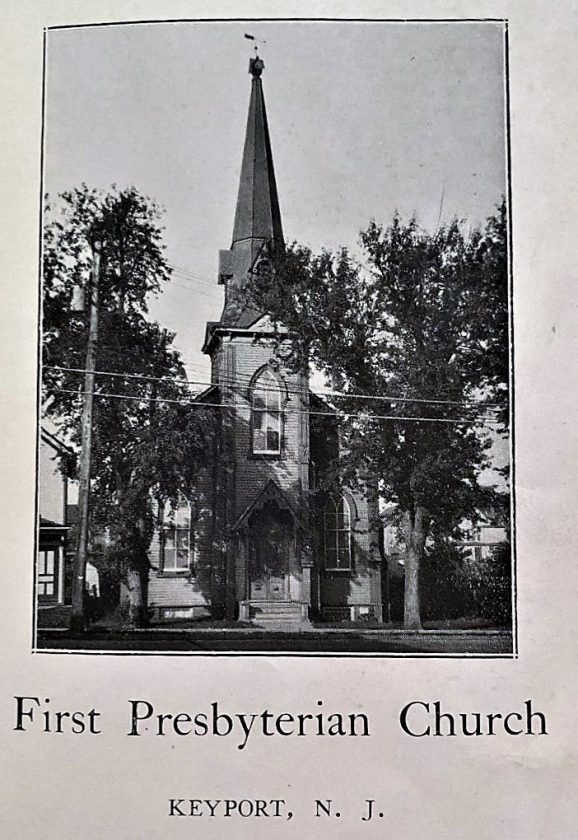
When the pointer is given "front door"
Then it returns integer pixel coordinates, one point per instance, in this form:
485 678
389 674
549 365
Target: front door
48 568
270 546
268 588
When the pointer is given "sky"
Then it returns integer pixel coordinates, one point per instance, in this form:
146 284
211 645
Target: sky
366 119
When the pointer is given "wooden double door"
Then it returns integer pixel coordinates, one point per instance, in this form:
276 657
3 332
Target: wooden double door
271 544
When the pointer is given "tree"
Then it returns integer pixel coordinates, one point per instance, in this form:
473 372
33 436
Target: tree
147 441
421 328
443 581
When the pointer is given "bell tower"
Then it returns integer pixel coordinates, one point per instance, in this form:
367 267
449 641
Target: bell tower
264 469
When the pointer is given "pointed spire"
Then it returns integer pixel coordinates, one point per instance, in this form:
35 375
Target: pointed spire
257 216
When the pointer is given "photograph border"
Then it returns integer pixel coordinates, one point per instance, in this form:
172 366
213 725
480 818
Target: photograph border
511 354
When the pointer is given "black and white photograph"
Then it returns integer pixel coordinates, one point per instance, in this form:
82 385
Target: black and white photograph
275 388
288 349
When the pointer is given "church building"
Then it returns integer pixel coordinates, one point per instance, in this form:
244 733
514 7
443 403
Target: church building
258 541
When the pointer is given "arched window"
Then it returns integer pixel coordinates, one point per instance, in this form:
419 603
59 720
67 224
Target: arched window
266 414
337 534
177 537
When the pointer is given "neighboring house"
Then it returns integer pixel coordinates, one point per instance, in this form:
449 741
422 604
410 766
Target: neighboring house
53 526
57 531
478 545
479 541
91 575
258 544
482 539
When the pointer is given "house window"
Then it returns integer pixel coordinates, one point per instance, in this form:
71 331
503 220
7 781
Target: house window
47 566
266 415
337 534
177 538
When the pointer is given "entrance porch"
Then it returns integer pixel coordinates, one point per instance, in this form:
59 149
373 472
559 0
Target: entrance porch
272 575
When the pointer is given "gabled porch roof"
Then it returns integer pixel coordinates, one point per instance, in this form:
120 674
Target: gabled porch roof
271 492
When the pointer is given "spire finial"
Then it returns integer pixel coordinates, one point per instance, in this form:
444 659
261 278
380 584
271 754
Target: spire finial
256 66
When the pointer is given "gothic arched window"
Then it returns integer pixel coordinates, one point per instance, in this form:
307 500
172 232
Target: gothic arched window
337 534
177 537
266 417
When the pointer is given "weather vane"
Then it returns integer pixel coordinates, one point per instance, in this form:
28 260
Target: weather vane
256 64
256 40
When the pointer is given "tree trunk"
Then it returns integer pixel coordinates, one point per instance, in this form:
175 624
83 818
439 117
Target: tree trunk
413 554
385 590
136 599
137 580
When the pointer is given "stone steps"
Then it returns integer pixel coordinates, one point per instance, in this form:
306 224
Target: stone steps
284 616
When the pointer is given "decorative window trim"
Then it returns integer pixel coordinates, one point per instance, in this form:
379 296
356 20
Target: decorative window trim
261 265
172 525
272 396
341 537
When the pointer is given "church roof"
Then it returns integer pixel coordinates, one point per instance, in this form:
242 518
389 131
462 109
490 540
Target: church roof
210 394
317 401
55 442
49 525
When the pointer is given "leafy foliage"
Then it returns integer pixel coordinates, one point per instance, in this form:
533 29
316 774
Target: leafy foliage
147 442
489 582
444 583
421 324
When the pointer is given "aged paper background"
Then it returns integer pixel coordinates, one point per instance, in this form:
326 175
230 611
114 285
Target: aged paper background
64 786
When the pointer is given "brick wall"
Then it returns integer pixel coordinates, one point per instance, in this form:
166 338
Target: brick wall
240 360
344 594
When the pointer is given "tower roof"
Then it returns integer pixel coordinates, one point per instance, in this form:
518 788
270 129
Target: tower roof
257 227
257 216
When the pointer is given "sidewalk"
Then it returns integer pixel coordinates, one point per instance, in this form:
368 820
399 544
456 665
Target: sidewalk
322 640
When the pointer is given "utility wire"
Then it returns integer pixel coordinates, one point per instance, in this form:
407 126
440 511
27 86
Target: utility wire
248 378
232 384
195 404
245 379
192 277
190 274
193 291
233 381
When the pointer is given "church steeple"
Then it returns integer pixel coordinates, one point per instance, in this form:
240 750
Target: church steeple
257 217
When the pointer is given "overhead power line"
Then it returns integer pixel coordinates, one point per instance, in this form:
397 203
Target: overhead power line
198 278
245 379
192 403
212 295
232 382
